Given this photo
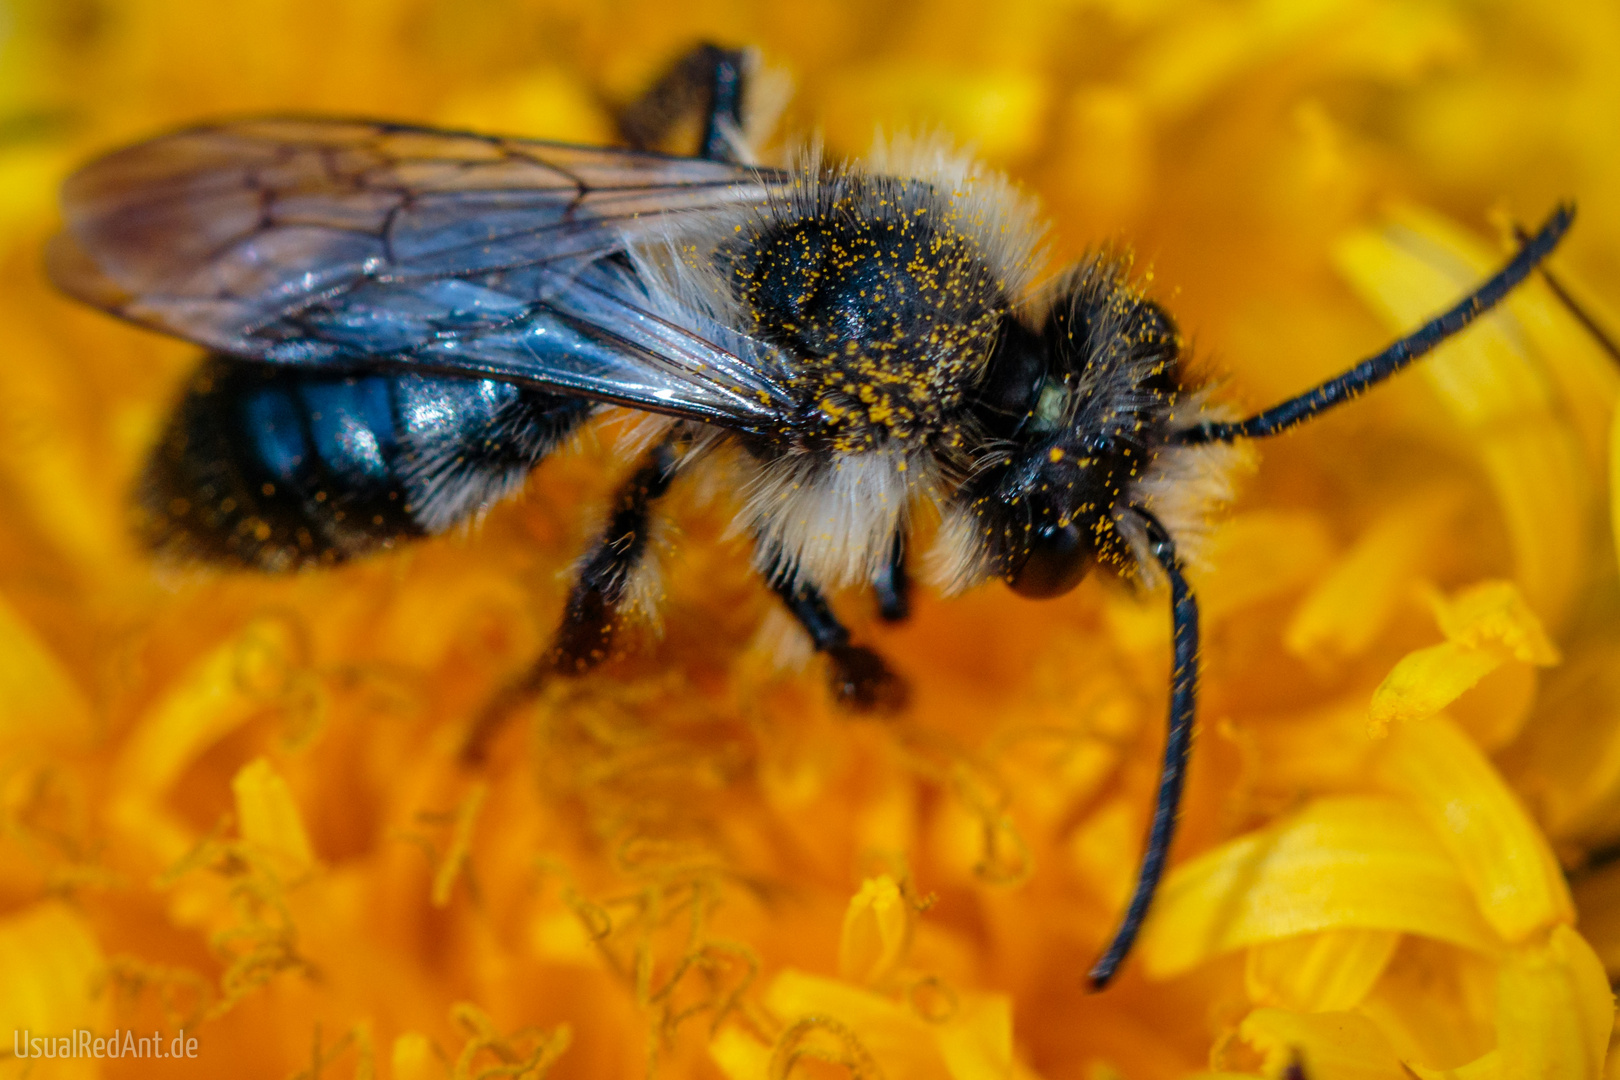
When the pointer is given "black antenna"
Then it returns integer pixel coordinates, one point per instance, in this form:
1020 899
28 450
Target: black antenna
1184 605
1177 745
1376 369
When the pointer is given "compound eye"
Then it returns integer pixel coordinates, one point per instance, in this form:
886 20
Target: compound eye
1059 557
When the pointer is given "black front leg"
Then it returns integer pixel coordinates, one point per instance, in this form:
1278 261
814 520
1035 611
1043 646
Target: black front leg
590 619
708 81
860 679
893 584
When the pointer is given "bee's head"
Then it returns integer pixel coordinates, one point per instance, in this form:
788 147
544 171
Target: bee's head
1076 402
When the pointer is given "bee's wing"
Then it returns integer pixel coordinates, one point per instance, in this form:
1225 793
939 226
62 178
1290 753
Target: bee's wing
320 241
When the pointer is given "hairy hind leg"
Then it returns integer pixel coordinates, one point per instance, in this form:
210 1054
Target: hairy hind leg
590 618
710 81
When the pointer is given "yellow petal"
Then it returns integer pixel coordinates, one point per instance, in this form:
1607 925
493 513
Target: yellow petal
1567 764
1436 1004
1501 853
1504 401
218 693
1205 49
739 1055
894 1037
971 1041
1425 681
1494 713
413 1058
1262 554
1493 619
1487 1066
1326 972
58 470
1352 601
52 965
877 932
38 698
1095 846
268 819
1486 626
1586 374
1364 862
1323 749
1493 614
1401 43
1340 1045
977 1041
1554 1010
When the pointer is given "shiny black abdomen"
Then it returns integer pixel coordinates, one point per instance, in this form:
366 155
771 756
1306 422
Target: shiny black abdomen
275 467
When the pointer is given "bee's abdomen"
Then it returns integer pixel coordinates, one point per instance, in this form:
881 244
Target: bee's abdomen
276 468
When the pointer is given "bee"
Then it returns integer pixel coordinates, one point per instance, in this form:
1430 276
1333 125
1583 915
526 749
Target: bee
403 322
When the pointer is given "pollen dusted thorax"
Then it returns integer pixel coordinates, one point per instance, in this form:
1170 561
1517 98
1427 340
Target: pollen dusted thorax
891 300
885 302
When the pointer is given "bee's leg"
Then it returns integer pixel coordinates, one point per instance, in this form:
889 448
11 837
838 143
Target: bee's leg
585 637
1178 742
860 679
709 82
893 584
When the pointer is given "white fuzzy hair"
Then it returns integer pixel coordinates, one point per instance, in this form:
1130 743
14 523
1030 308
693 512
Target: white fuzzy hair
958 559
1186 488
1004 221
834 522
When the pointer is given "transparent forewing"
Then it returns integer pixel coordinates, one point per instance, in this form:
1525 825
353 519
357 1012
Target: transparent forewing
599 336
309 241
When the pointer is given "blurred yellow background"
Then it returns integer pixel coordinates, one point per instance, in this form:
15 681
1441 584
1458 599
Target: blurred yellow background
231 804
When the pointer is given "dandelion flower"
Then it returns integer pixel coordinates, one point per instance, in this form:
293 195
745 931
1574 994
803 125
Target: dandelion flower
231 805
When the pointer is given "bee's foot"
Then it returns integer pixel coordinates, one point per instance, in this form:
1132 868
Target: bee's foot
892 585
893 605
863 682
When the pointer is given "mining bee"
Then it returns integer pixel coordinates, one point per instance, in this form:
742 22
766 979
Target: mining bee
402 322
